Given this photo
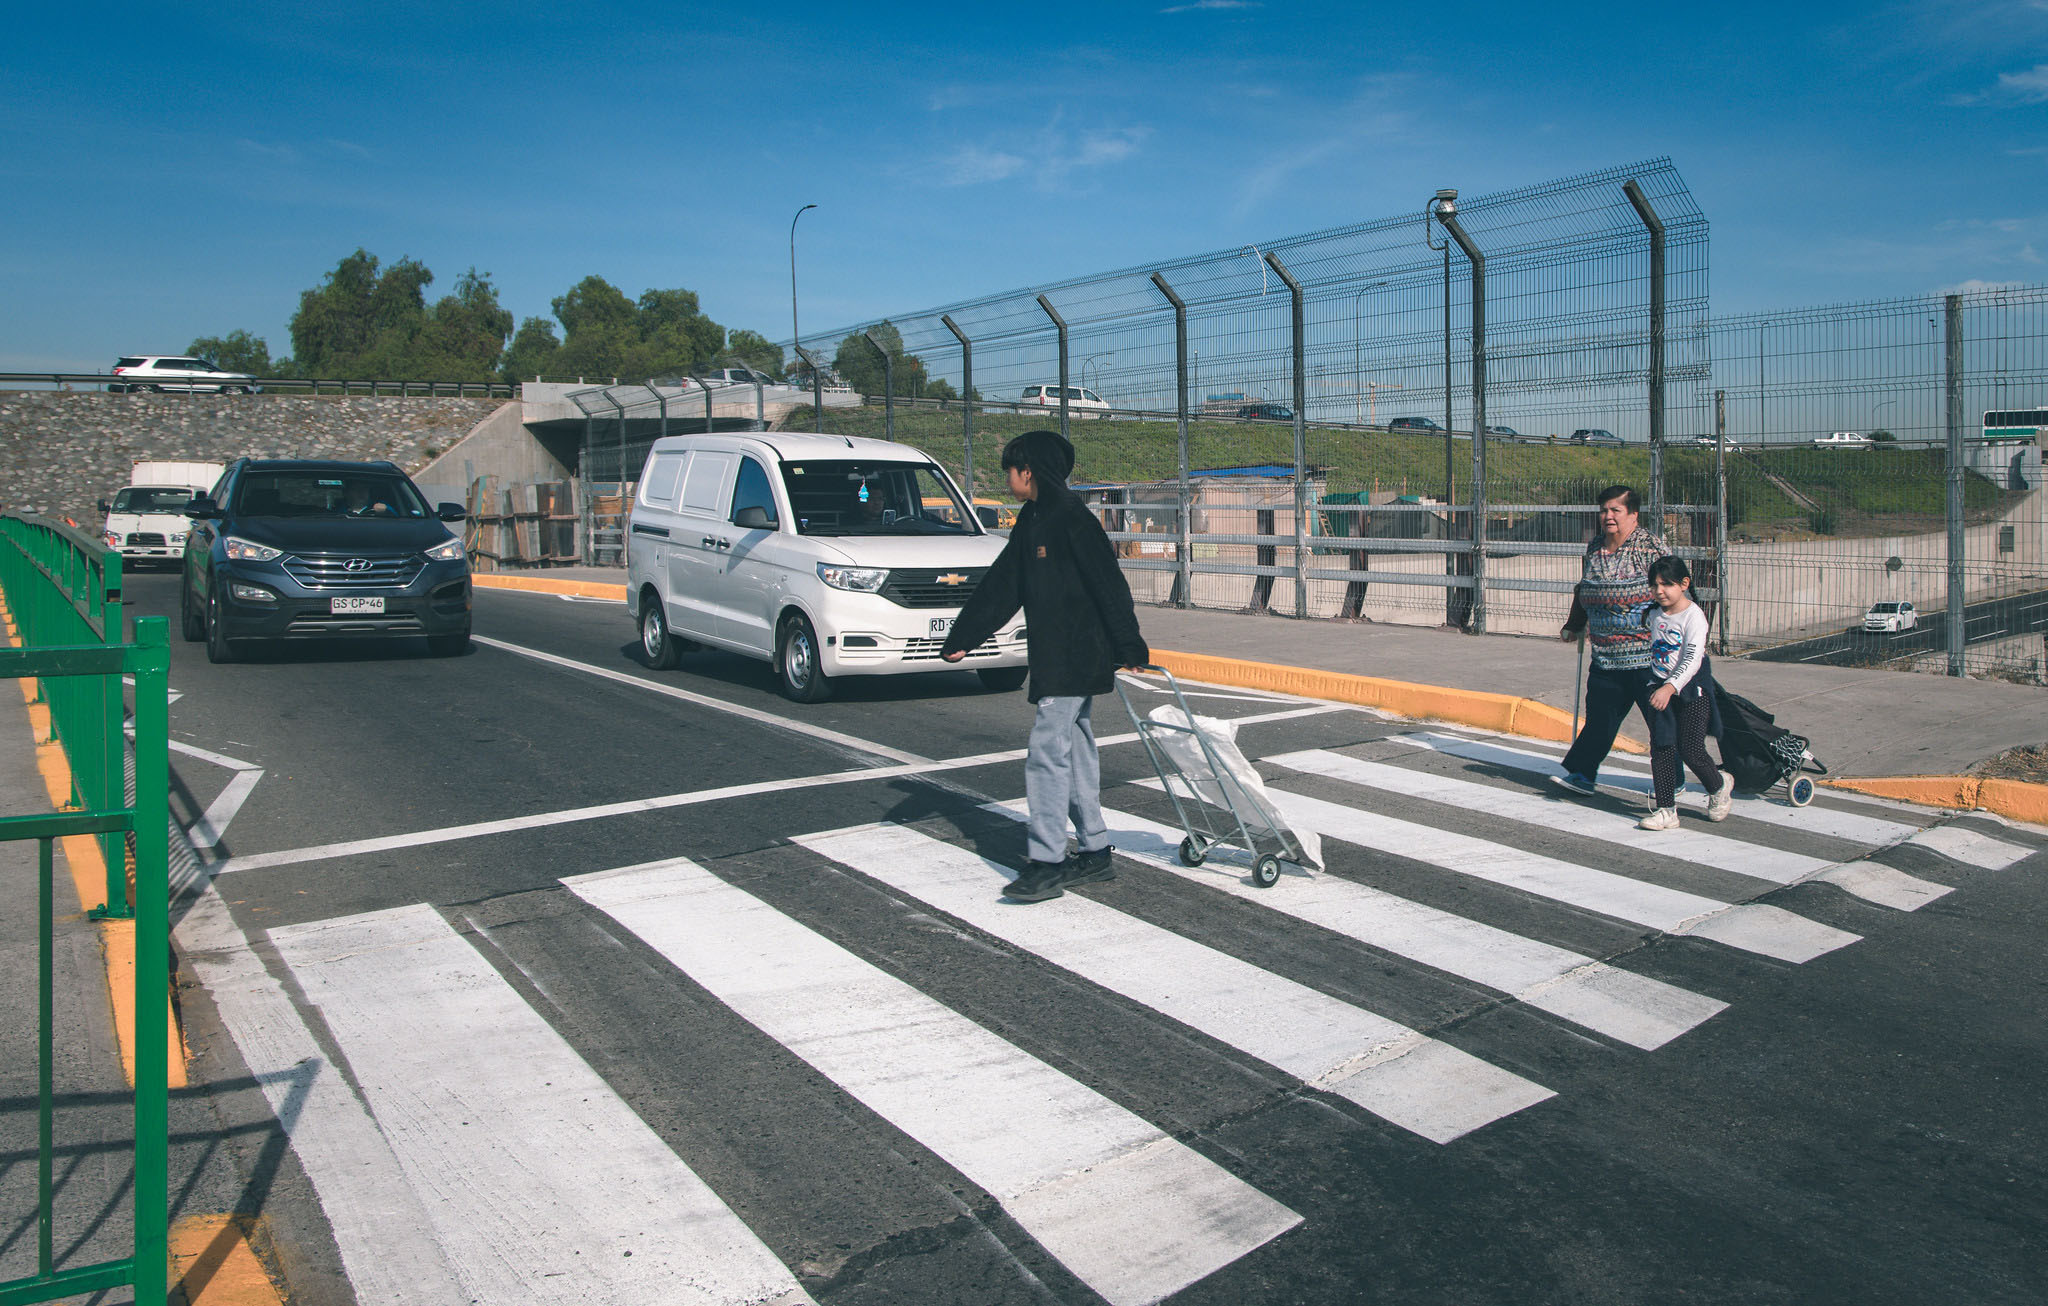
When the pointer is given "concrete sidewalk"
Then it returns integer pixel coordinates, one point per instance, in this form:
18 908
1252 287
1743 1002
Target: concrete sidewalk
1863 724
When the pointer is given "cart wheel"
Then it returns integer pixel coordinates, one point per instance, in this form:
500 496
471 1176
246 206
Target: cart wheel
1266 871
1800 790
1192 853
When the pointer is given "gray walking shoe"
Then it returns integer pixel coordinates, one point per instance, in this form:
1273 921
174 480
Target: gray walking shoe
1040 881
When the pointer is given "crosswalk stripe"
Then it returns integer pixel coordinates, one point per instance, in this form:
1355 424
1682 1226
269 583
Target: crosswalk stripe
542 1185
1398 1074
1830 821
1970 847
1640 1011
1752 927
1133 1213
1753 860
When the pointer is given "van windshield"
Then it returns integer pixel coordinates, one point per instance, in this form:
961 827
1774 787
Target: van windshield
144 498
845 497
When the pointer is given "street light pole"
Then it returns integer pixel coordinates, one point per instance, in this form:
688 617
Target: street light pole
796 336
1357 341
1454 611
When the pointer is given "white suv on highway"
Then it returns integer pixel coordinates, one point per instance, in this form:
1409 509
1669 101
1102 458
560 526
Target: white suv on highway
1890 618
1079 400
824 555
140 372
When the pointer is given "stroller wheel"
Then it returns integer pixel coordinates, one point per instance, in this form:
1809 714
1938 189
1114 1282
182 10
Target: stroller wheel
1800 790
1192 853
1266 871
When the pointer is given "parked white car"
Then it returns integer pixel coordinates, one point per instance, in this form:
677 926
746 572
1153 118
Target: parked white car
1891 617
140 372
1079 400
1842 440
826 556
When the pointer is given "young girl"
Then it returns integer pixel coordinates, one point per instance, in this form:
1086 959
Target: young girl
1681 707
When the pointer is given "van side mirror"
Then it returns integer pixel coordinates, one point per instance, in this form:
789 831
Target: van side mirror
202 507
450 511
105 506
754 518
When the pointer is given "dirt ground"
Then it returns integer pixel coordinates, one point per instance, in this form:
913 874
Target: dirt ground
2030 764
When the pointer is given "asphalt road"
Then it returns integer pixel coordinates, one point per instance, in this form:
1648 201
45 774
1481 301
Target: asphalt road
2019 614
556 965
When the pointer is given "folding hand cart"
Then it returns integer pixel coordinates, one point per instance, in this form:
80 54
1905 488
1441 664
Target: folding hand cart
1216 794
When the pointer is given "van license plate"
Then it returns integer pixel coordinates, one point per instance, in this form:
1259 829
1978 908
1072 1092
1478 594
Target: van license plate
340 606
942 626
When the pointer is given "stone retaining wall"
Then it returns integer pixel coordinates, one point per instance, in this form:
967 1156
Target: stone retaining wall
60 454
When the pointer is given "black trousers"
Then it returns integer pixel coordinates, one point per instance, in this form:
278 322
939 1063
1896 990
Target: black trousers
1609 696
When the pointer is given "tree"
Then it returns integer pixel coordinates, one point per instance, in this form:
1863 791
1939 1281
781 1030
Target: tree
862 369
675 336
463 336
533 351
1882 436
363 321
237 351
598 329
752 349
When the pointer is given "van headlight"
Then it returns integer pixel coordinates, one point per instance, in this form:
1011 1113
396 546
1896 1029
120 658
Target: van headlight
865 580
242 550
447 550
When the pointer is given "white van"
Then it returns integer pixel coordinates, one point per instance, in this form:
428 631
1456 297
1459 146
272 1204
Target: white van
146 521
1080 402
1842 440
825 555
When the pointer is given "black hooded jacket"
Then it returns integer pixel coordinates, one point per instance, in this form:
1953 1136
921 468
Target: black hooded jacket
1060 569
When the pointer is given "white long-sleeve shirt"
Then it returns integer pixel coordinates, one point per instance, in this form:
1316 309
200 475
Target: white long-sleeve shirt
1678 644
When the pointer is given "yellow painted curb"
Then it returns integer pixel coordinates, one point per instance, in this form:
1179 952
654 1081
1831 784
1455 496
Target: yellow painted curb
2014 799
582 589
1503 712
213 1264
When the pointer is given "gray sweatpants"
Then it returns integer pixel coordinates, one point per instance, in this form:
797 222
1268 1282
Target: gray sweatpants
1063 780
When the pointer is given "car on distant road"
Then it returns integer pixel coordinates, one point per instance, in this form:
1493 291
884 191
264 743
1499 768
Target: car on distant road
1412 424
1079 400
1890 618
137 373
1504 432
292 549
737 376
1594 435
1842 440
1706 441
1266 413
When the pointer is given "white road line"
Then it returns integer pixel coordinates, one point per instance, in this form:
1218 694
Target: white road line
207 830
379 1227
663 802
540 1183
1541 810
1398 1074
1752 927
1970 847
804 728
193 750
1828 821
1885 885
1635 1009
1135 1214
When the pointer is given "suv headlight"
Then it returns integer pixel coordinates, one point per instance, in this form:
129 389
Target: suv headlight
447 550
865 580
241 550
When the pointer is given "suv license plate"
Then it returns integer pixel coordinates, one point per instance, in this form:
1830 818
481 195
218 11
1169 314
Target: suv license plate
340 606
942 626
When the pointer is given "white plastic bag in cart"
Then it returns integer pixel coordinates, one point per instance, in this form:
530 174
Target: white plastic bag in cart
1255 805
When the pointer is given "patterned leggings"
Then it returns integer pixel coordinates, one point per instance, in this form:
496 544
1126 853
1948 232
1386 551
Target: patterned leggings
1692 714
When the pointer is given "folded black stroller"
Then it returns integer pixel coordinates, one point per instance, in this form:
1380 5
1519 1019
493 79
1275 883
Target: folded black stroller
1760 753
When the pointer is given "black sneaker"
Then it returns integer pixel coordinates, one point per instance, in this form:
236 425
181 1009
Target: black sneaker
1040 881
1091 867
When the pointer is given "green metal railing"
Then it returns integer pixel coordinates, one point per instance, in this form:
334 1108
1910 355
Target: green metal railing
64 593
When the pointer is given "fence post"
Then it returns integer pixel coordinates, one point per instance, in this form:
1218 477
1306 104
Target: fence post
966 401
1954 380
1060 323
888 385
1449 218
1656 228
583 469
1184 564
1721 516
104 602
817 387
151 668
1300 438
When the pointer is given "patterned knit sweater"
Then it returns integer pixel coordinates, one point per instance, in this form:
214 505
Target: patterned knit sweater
1612 598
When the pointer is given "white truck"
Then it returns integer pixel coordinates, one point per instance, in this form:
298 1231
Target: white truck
146 521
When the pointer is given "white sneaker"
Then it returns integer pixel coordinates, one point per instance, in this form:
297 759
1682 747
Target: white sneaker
1719 803
1660 818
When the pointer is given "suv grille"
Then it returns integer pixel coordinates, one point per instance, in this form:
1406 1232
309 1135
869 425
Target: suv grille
388 572
920 587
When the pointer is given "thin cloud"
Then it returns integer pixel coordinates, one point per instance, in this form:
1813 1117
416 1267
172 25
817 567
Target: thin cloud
278 153
1049 156
1199 5
2030 87
971 165
350 148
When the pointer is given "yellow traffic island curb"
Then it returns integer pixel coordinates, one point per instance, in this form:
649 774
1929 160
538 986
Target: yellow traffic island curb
2017 800
578 589
1505 713
214 1264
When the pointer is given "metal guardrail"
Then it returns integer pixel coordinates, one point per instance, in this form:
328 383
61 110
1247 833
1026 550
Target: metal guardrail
373 387
63 592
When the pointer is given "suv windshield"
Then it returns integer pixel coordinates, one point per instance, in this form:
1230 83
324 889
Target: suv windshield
844 497
326 494
139 498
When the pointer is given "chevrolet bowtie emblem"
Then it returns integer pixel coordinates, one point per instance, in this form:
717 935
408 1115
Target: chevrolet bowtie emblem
952 578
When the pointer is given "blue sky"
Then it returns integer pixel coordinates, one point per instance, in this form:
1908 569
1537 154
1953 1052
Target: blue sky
181 171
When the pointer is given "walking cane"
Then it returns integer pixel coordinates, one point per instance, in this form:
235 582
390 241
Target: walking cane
1578 685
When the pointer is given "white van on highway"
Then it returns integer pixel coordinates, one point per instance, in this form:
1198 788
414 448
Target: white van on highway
1842 440
826 556
146 519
